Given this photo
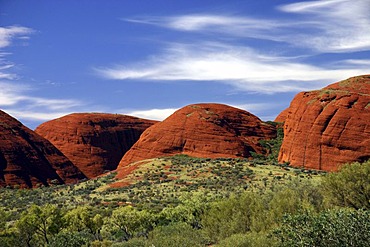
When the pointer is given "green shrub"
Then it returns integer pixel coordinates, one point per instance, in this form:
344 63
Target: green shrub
70 239
328 228
135 242
176 235
350 187
251 239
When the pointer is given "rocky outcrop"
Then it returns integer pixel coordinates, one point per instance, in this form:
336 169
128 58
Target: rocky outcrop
329 127
28 160
282 116
202 130
94 142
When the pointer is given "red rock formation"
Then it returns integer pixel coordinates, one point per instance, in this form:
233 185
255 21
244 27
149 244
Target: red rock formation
27 159
282 116
202 130
329 127
94 142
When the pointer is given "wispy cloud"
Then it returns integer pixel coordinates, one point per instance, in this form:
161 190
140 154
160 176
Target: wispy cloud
35 115
325 25
335 26
342 25
240 67
16 100
10 94
7 34
5 66
211 23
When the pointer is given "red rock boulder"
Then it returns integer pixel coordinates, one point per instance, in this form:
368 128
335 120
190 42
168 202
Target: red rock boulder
328 127
94 142
202 130
28 160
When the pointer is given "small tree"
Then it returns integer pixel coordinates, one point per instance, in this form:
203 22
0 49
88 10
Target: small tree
127 221
40 223
85 219
350 187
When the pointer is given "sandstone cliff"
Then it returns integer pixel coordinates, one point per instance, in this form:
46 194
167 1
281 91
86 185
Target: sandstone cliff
329 127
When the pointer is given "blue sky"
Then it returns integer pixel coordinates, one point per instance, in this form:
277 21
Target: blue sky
148 58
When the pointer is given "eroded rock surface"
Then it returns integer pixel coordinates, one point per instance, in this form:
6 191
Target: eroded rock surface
282 116
28 160
329 127
202 130
94 142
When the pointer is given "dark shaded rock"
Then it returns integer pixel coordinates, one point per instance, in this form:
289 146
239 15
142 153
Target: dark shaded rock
28 160
94 142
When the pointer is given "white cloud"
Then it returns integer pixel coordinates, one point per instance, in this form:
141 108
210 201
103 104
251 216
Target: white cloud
153 114
325 25
254 107
16 100
243 68
335 26
342 24
4 66
11 94
210 23
15 97
7 34
358 62
34 115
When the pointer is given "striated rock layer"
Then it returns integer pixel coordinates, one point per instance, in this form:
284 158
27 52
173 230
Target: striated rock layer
28 160
94 142
329 127
202 130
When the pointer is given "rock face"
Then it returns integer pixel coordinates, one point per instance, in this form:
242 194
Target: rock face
329 127
282 116
202 130
28 160
94 142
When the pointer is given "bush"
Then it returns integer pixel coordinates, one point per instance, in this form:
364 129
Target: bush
176 235
70 239
350 187
329 228
231 216
248 240
135 242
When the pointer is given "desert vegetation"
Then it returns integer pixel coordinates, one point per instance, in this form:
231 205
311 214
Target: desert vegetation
221 202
